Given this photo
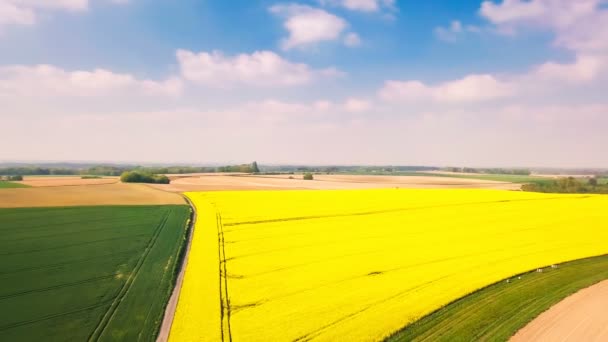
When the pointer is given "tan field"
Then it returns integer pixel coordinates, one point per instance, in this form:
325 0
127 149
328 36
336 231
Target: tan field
580 317
216 182
104 194
66 181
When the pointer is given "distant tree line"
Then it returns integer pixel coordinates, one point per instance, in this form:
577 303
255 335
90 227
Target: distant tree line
245 168
141 177
11 178
491 171
569 185
111 170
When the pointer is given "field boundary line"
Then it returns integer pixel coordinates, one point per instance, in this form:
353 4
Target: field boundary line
169 315
44 318
224 296
128 283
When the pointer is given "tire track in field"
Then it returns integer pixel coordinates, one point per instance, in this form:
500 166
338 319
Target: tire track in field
310 335
72 245
60 286
225 310
385 211
79 231
71 262
103 323
61 224
47 317
166 270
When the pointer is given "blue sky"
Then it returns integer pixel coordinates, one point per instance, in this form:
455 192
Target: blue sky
480 83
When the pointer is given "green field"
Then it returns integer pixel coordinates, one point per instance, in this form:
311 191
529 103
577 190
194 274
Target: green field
87 273
493 177
10 185
498 311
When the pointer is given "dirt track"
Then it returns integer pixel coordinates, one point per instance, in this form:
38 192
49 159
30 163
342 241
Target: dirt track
165 327
580 317
215 182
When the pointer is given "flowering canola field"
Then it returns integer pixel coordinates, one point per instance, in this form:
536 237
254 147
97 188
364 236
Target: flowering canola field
357 265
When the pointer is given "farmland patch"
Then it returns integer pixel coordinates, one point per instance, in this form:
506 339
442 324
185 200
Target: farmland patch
87 273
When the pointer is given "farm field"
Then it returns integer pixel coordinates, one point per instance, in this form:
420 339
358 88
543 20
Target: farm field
87 273
493 177
105 194
44 181
496 312
11 185
362 264
222 182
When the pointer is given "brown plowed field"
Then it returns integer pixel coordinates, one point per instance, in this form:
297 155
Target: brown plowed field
580 317
215 182
66 181
104 194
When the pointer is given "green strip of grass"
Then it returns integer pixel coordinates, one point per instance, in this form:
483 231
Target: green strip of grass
11 185
493 177
497 312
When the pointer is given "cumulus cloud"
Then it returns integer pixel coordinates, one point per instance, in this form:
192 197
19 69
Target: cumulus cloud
580 25
25 12
50 81
355 105
308 25
472 88
584 69
361 5
260 68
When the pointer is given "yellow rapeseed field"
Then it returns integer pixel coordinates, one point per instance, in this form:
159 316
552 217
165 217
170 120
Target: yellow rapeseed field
357 265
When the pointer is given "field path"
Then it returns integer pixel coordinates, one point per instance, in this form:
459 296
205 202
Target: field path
165 328
580 317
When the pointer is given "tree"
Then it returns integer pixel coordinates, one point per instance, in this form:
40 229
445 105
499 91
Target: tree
254 167
593 181
308 176
139 177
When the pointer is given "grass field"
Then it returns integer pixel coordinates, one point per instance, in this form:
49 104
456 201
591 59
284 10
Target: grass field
496 312
87 273
493 177
362 264
11 185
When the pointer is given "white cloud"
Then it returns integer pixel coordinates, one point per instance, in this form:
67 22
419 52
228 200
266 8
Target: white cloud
472 88
307 25
25 12
49 81
10 14
581 25
261 68
355 105
451 33
584 69
361 5
352 40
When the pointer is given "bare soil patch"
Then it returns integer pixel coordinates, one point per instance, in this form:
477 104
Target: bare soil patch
104 194
66 181
214 182
580 317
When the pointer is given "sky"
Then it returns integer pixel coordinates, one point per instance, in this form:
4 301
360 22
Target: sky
496 83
